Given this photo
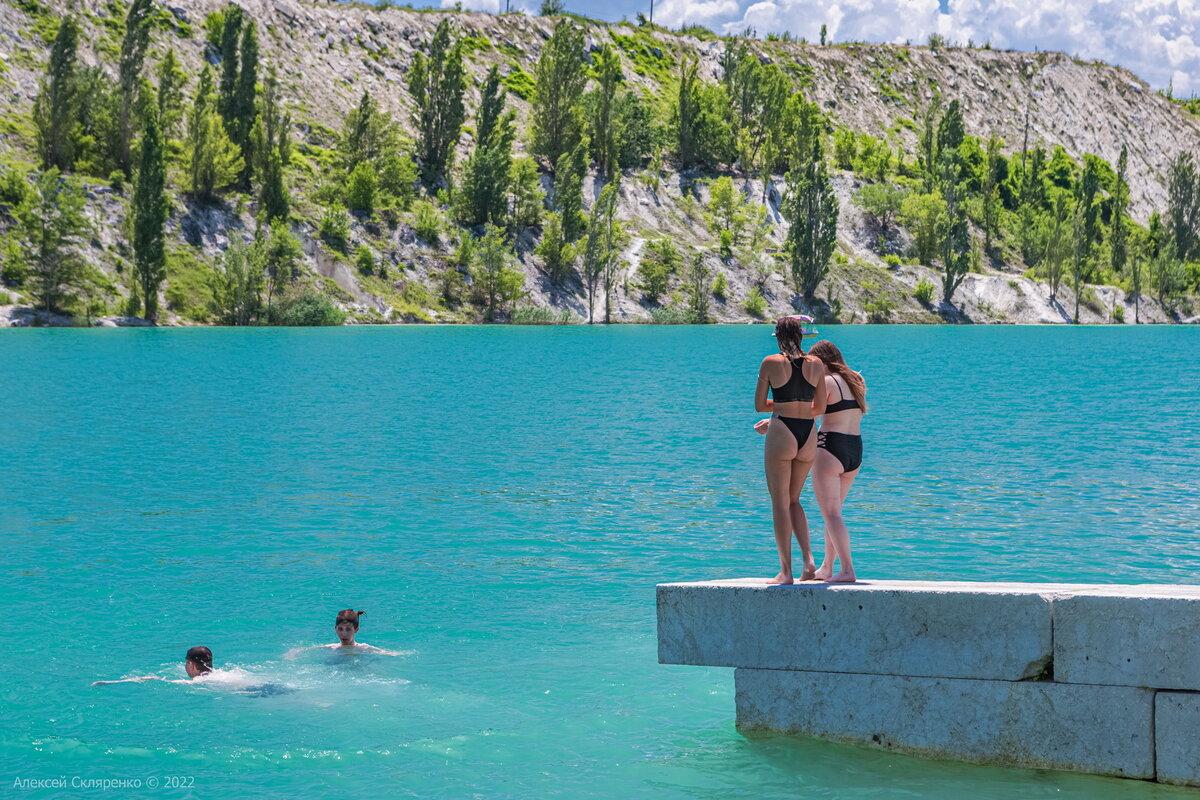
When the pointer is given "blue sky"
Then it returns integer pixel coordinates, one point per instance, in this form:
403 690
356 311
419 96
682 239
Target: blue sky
1158 39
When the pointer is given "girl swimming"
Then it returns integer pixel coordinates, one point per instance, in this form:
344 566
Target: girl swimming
796 384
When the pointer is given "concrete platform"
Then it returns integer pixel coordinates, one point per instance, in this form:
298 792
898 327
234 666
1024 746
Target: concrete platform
1177 737
954 630
1093 678
1104 730
1129 636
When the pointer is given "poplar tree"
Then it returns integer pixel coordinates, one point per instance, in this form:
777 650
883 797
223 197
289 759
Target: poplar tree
52 226
991 192
171 79
1183 206
272 149
213 160
1119 233
956 242
687 110
129 74
484 192
603 123
1084 225
437 83
150 217
54 110
245 109
231 36
568 192
600 249
812 211
560 76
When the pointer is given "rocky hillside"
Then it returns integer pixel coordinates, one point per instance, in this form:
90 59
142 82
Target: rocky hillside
328 53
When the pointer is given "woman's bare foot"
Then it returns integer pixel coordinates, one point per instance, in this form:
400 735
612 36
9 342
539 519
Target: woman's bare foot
823 572
809 572
844 576
782 579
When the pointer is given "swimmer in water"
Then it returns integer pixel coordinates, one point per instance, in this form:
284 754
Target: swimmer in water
346 628
197 664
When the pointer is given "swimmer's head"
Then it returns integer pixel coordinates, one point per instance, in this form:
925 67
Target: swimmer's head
198 661
346 625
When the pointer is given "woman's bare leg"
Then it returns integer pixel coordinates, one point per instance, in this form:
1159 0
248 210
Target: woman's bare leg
778 453
825 571
800 470
830 486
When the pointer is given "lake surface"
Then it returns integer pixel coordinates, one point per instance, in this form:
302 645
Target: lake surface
501 502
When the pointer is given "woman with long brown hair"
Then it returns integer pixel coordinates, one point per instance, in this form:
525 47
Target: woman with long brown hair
838 457
796 384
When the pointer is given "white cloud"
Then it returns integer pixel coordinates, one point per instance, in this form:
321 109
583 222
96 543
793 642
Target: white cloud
1157 39
492 6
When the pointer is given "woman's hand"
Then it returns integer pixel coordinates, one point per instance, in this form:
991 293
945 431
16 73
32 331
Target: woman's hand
762 425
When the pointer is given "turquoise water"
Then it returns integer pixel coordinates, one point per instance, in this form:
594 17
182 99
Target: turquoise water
502 501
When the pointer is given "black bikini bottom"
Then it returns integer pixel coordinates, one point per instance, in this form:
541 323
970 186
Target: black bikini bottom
846 447
801 428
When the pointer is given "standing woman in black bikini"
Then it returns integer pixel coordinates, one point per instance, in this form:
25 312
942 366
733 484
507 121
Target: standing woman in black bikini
796 383
839 456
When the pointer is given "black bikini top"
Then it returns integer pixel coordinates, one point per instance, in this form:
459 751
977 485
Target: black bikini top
797 388
844 404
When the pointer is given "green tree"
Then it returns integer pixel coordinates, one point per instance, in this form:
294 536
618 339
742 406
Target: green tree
171 79
602 249
727 205
495 278
1058 241
552 8
990 191
129 71
437 82
55 113
1119 231
484 193
560 78
812 211
928 155
556 252
272 149
281 255
637 135
231 39
882 202
1183 206
362 186
213 159
698 290
687 111
244 110
236 283
52 226
924 215
956 241
660 262
602 119
568 192
1084 225
525 193
150 218
368 135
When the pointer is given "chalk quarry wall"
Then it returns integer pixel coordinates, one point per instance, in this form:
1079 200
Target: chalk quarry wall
1089 678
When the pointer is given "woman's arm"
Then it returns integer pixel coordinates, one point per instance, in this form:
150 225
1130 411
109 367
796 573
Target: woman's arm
817 380
139 679
762 403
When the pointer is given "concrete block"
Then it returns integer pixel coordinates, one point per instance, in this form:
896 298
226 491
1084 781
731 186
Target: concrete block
1177 737
1129 636
959 630
1098 729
